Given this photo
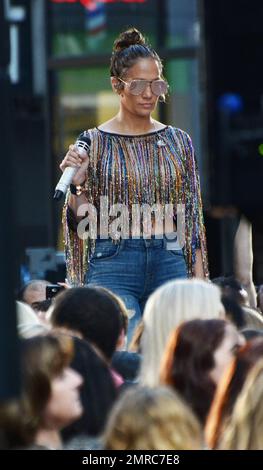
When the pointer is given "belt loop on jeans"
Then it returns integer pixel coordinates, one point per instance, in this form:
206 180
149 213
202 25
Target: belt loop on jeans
147 242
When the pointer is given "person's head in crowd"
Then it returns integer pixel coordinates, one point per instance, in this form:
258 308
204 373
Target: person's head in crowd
91 312
252 318
232 288
33 292
234 311
50 394
97 393
152 419
195 358
229 388
28 324
245 428
170 305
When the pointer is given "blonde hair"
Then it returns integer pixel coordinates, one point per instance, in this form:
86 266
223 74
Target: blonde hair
245 428
152 419
135 343
170 305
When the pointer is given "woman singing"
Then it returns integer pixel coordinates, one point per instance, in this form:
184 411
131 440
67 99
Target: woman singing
140 187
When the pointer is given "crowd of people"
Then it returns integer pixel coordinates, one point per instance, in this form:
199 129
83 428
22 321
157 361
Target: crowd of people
190 378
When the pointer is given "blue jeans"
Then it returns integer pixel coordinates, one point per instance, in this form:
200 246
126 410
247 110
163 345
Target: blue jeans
133 269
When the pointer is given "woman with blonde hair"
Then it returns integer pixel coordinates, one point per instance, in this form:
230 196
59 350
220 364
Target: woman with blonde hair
152 419
171 304
245 429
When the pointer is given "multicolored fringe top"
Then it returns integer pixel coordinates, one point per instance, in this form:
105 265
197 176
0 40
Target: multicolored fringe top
154 168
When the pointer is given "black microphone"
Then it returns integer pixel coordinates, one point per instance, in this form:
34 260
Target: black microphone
82 145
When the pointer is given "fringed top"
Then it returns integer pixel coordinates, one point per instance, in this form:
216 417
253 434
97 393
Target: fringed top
155 168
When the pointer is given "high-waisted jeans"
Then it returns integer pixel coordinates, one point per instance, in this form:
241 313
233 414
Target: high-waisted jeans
133 269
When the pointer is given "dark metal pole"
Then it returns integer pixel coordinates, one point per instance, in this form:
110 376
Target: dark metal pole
161 28
9 384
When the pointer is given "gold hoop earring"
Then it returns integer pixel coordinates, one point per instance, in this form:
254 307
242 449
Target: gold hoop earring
161 99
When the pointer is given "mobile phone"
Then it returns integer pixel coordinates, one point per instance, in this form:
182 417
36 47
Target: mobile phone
52 290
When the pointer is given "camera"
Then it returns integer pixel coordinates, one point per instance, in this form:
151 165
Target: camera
53 290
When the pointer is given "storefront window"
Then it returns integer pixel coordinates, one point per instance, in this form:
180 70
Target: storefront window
77 30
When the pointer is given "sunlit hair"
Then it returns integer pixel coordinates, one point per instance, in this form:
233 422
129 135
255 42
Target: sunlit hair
128 48
42 359
229 388
170 305
135 343
122 308
152 419
245 429
188 361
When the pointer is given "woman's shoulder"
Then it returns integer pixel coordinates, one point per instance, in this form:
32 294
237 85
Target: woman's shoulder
181 139
180 133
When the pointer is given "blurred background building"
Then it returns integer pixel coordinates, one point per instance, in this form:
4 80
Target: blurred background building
55 57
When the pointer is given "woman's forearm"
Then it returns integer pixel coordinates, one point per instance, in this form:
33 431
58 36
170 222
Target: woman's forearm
198 266
75 202
243 259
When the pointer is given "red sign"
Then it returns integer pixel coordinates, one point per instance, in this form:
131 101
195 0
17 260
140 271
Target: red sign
89 3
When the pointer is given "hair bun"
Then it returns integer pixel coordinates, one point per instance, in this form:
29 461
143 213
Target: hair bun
128 38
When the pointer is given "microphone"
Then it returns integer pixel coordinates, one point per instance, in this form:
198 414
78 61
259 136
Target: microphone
83 146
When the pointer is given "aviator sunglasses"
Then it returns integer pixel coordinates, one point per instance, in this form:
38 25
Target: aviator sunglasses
136 87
